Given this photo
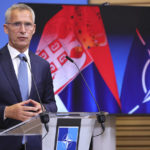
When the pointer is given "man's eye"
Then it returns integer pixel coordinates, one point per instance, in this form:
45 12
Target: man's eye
28 24
17 24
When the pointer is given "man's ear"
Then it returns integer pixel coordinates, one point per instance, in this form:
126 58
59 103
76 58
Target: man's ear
34 28
5 28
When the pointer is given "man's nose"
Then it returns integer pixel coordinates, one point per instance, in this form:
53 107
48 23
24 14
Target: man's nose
22 28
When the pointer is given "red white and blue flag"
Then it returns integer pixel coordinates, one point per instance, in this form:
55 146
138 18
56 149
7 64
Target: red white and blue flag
80 35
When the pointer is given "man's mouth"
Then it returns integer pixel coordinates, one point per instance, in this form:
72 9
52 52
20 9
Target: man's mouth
22 38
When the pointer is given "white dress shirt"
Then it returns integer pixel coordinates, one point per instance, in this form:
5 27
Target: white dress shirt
16 61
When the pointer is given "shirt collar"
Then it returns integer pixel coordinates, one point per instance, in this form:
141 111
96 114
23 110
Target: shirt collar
14 52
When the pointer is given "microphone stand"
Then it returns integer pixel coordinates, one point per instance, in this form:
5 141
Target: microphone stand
44 117
100 117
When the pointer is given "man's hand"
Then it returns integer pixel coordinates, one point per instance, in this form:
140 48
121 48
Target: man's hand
21 111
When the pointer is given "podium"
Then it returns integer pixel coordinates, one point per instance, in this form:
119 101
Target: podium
67 131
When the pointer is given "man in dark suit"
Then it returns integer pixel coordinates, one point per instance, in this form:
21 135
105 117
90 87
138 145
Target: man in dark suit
19 25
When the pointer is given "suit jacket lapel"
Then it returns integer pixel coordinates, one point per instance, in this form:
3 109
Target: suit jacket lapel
34 71
8 68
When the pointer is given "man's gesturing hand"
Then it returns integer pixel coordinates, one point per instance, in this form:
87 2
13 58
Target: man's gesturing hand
21 111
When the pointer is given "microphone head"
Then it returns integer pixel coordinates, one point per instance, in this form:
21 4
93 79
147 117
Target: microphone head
24 58
71 60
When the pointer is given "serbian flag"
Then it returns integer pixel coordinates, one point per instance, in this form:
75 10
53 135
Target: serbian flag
78 31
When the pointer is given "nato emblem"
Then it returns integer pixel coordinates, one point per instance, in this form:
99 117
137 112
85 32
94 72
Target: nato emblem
67 138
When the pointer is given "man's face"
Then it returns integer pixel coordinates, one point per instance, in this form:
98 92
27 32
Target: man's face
20 28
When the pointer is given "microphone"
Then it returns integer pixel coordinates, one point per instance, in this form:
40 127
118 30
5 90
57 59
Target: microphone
44 117
100 117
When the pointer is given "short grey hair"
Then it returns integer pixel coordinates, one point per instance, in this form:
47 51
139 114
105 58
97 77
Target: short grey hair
19 7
